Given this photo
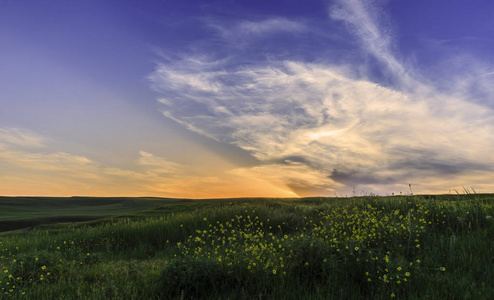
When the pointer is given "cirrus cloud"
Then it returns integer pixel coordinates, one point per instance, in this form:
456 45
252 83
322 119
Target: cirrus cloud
343 130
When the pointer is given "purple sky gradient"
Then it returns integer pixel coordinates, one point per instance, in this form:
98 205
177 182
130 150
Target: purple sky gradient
245 98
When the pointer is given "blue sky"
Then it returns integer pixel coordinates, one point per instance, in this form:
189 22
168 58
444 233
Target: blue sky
246 98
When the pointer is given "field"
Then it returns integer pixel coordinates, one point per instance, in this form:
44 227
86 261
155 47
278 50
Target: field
400 247
27 212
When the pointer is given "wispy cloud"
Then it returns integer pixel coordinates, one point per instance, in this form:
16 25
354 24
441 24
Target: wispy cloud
340 130
338 123
246 29
366 20
28 171
462 74
19 137
157 165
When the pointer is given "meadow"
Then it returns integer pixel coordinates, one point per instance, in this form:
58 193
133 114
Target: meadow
27 212
400 247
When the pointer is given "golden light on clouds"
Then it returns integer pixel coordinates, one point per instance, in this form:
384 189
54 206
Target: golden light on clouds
44 173
305 104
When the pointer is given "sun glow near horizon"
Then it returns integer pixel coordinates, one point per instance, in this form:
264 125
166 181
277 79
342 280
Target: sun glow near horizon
246 99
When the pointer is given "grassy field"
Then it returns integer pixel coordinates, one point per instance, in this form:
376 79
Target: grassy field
402 247
28 212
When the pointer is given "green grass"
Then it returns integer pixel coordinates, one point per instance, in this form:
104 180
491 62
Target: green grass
25 212
403 247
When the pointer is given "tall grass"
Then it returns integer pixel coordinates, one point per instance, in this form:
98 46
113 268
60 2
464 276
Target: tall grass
315 248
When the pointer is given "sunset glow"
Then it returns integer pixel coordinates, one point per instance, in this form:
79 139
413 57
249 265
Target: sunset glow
246 98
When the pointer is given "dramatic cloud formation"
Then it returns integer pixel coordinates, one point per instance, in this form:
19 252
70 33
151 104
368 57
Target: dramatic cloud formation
246 98
319 128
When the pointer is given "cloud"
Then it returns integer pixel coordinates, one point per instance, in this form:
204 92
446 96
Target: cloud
157 165
334 122
27 170
20 137
341 130
366 20
301 179
462 74
248 29
315 128
246 40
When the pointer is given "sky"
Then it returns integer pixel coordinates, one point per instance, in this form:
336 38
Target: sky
234 98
